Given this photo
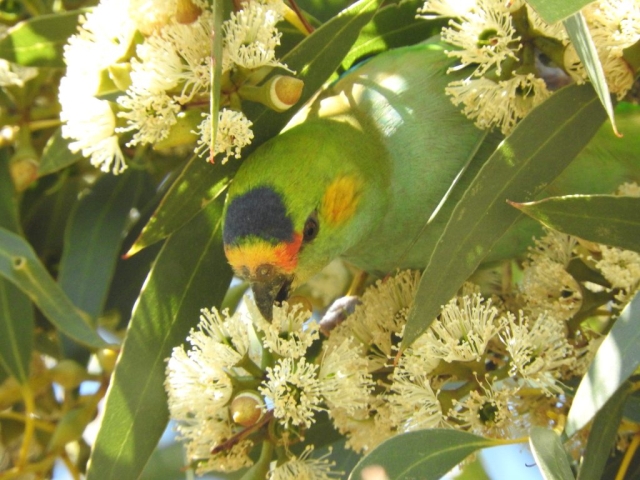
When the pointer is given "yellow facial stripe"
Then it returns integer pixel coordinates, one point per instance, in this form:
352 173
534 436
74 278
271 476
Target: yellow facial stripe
246 258
341 199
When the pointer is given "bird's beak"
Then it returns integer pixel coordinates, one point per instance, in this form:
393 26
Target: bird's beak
275 288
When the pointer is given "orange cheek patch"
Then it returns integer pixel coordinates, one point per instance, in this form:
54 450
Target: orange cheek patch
341 199
251 256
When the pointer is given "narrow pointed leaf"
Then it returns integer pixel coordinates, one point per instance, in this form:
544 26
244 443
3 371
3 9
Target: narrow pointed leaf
615 361
603 436
216 67
190 273
56 155
553 10
578 32
394 25
20 265
16 312
314 60
93 239
39 41
549 454
427 454
537 151
607 219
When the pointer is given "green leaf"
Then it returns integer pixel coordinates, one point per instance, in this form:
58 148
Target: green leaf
190 272
93 239
16 312
607 219
549 454
615 361
422 454
20 265
552 10
393 26
216 67
537 151
578 32
39 41
603 436
56 155
314 59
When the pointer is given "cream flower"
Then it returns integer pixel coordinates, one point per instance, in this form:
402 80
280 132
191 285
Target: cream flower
414 404
620 267
486 412
539 351
365 430
343 375
290 333
547 287
104 36
378 321
250 37
234 133
463 330
499 104
292 387
223 339
304 468
485 36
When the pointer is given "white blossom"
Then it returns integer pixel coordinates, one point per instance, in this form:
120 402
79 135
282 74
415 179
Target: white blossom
304 468
484 35
292 387
539 350
345 382
103 37
463 330
289 334
250 37
499 104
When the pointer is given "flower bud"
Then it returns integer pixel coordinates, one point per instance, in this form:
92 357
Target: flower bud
68 374
284 92
24 164
279 93
107 359
24 171
247 408
187 12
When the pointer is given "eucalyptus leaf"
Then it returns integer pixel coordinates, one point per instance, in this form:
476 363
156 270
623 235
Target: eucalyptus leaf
552 10
314 60
429 453
190 273
615 361
20 265
393 26
16 312
550 454
39 41
536 152
602 436
56 155
578 32
607 219
93 239
216 67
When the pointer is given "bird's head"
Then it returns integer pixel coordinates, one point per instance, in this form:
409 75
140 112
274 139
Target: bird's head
294 205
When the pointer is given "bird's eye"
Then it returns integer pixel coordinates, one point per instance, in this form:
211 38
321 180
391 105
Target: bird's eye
311 228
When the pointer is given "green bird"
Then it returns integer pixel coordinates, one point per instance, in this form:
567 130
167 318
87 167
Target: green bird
358 178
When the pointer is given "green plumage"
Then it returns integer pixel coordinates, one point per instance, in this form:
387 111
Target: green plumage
389 123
